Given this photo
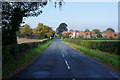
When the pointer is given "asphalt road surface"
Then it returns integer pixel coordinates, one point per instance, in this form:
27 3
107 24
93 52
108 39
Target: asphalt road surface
61 61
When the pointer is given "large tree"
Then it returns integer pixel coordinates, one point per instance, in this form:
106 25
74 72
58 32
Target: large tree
12 17
43 31
87 30
62 27
26 30
95 31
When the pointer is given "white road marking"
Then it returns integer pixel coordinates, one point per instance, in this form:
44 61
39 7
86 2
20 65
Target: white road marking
67 64
62 55
73 79
65 61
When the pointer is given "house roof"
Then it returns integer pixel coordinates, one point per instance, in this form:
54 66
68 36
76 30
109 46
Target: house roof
63 32
94 34
87 33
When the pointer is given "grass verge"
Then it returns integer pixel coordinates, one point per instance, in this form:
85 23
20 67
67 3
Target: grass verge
22 61
90 52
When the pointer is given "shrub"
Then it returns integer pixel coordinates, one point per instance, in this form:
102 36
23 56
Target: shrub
10 52
111 46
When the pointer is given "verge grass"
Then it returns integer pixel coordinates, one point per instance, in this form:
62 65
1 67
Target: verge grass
26 56
93 54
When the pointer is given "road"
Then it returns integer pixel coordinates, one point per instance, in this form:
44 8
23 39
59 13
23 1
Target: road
61 61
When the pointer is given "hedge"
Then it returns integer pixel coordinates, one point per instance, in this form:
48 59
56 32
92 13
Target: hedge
11 52
111 46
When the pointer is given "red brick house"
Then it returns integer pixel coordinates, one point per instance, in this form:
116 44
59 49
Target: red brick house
109 34
87 35
94 35
64 32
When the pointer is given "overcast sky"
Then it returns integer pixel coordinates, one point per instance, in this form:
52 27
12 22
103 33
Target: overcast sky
79 16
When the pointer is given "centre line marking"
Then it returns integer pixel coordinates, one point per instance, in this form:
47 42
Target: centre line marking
62 55
67 64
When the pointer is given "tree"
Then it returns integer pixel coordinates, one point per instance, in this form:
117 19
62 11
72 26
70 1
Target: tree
19 33
99 35
26 30
110 37
62 27
43 31
105 37
87 30
95 31
118 37
12 16
110 29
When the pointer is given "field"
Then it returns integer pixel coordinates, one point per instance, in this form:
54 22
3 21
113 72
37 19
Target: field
24 40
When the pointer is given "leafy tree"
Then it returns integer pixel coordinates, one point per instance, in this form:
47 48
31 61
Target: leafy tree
115 34
26 30
62 27
110 29
87 30
19 33
95 31
99 35
105 37
43 31
119 38
12 17
110 37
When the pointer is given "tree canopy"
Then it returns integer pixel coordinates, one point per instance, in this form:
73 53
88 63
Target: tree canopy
110 29
95 31
12 17
43 31
87 30
62 27
26 30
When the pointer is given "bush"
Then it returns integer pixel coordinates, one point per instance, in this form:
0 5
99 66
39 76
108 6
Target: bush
10 52
111 46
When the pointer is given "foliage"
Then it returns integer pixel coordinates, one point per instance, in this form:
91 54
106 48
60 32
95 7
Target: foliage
43 31
111 37
87 30
26 30
119 38
105 37
102 45
19 33
15 62
90 52
12 16
65 35
115 34
110 29
99 35
95 31
62 27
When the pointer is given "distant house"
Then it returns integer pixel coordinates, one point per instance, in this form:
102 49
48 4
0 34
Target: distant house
80 34
70 31
109 34
74 34
87 35
64 32
94 35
